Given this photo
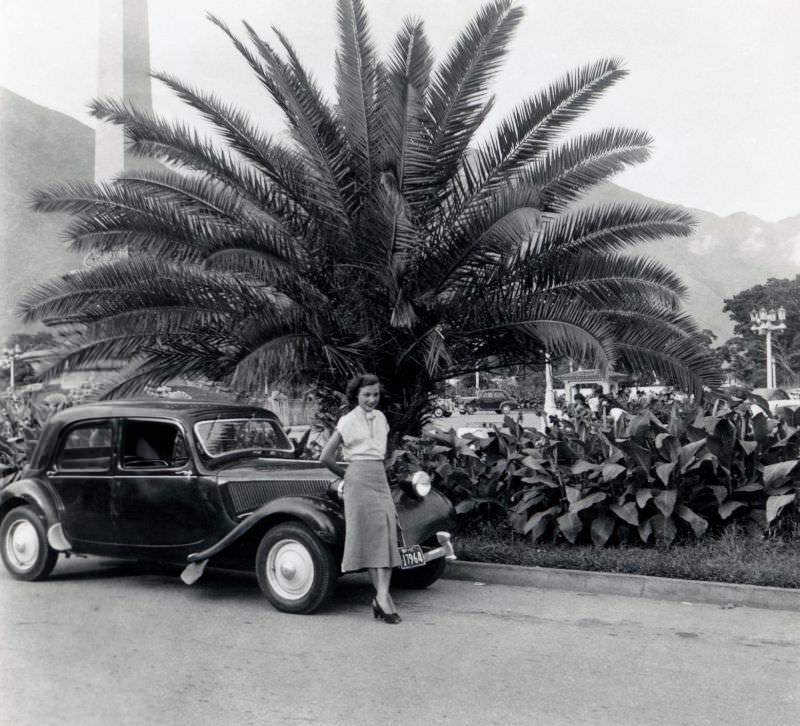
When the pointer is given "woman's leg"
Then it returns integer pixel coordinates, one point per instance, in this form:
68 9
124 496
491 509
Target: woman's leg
381 578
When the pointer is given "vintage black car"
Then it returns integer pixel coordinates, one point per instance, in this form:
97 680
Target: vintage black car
195 483
491 399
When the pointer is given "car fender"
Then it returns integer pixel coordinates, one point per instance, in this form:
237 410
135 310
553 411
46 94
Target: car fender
322 517
422 518
33 492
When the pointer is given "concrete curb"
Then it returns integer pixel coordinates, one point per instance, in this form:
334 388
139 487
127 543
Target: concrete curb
612 583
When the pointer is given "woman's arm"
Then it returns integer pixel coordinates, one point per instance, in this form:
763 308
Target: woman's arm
328 457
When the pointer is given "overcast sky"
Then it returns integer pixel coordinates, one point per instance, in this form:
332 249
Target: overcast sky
716 83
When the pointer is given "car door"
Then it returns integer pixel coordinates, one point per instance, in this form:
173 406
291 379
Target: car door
490 400
158 500
81 474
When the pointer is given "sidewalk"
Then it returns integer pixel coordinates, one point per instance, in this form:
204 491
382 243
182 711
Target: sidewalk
610 583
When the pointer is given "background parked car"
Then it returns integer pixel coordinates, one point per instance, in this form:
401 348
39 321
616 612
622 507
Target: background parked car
443 406
491 399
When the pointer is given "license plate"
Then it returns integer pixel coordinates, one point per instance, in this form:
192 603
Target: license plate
411 557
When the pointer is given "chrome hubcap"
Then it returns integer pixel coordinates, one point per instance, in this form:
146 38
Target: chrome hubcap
22 545
290 569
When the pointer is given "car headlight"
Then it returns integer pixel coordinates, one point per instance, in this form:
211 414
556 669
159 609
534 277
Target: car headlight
336 487
421 483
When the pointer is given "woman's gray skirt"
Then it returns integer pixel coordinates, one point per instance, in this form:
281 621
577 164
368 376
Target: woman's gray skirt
370 518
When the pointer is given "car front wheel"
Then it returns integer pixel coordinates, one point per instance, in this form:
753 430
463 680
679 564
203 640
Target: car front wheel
295 570
438 412
25 551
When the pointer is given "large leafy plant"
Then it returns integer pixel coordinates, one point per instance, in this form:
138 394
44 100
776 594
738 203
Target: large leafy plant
387 230
650 482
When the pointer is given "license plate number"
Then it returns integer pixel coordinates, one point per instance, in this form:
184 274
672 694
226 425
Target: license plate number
411 557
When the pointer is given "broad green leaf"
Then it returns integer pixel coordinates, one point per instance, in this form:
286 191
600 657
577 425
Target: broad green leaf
688 453
775 474
535 464
697 523
636 454
663 472
441 449
748 446
752 487
612 471
545 479
665 501
776 504
539 520
464 507
582 466
642 497
530 499
664 528
668 446
570 525
720 492
586 502
627 512
602 528
727 508
573 494
645 531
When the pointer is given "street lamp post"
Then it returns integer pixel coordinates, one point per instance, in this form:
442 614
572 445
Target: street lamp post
765 322
7 360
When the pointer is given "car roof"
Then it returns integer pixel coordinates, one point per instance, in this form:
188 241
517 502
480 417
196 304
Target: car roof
161 408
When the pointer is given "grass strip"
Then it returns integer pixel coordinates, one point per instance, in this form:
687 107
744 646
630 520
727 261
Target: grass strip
731 557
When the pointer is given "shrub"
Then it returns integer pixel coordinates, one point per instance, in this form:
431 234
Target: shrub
642 479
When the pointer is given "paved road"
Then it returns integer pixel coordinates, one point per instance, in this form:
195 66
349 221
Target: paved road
458 420
108 643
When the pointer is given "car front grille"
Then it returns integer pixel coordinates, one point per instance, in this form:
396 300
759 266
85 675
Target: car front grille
248 495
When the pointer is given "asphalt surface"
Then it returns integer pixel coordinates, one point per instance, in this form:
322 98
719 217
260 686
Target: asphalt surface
110 643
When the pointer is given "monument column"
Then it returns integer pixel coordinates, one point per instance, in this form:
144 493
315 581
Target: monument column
124 73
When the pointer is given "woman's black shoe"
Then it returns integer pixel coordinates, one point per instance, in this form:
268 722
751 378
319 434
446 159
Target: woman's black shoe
377 612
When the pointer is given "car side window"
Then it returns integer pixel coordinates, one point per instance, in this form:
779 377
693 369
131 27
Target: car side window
86 447
149 444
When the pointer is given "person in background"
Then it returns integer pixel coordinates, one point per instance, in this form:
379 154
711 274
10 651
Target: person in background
370 516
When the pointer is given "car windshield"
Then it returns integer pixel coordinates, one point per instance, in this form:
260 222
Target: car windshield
228 435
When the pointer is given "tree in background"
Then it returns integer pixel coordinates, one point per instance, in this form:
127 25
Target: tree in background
747 350
23 370
389 231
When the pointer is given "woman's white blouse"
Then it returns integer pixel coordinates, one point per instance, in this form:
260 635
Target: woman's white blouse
363 435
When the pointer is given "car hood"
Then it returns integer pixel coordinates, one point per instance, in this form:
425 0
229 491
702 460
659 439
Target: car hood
288 470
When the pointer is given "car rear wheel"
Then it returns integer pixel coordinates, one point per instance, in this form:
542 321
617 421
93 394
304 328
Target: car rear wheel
419 578
295 570
438 412
25 551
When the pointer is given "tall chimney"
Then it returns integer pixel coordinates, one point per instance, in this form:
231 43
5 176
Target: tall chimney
124 73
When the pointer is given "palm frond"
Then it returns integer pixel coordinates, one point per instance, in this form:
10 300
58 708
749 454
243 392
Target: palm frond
567 172
402 122
607 228
457 99
357 88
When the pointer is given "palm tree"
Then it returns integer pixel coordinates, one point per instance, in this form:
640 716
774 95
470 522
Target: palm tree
380 234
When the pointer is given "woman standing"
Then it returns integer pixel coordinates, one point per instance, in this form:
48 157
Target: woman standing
370 516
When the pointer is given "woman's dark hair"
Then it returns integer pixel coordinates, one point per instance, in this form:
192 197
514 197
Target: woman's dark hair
354 385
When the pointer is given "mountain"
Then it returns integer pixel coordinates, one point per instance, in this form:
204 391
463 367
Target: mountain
723 256
39 146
